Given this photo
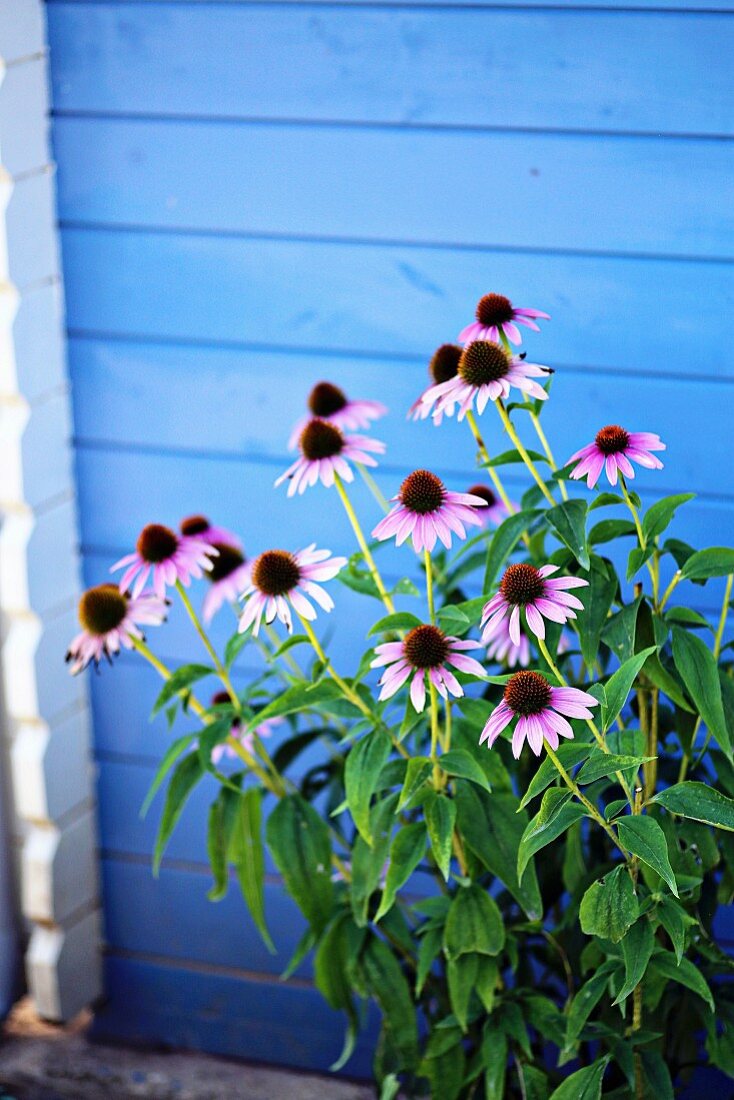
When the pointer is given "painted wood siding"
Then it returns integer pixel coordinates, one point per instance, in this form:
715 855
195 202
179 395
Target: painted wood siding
256 195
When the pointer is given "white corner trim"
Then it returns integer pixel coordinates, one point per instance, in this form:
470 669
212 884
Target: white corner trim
44 716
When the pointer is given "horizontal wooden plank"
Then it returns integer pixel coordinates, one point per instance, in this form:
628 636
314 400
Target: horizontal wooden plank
656 196
607 312
119 390
705 6
486 67
171 916
154 1004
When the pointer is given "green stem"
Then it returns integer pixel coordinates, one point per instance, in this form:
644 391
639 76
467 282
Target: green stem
221 670
434 735
591 808
718 639
510 429
494 476
677 578
548 452
373 487
600 739
429 586
635 515
363 544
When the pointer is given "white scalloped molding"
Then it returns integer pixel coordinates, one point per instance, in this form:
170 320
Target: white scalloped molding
44 723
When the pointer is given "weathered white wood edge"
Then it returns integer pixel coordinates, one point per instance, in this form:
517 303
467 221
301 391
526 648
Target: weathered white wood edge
44 718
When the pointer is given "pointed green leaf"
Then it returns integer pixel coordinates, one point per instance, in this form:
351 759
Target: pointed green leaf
440 820
504 541
364 763
637 947
417 774
408 849
183 780
619 684
400 620
609 907
384 978
556 814
644 838
249 860
659 514
717 561
584 1084
698 670
474 924
460 762
698 802
683 972
568 520
299 842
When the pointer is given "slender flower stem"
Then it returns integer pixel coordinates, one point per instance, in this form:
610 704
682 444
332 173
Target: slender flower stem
363 544
434 734
221 670
429 586
286 657
510 429
349 692
635 515
447 734
373 487
599 737
575 789
548 452
677 578
495 477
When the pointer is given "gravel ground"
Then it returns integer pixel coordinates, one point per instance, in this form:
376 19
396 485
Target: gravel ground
39 1061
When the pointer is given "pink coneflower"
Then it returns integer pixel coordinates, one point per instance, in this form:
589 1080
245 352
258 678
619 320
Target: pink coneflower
279 578
486 372
229 576
539 709
326 451
170 558
111 619
495 512
425 651
538 594
246 739
502 649
328 402
616 449
443 367
199 527
496 314
427 511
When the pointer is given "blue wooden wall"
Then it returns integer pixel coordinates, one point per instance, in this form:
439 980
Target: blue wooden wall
257 195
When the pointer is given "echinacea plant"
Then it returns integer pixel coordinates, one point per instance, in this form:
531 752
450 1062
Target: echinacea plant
510 824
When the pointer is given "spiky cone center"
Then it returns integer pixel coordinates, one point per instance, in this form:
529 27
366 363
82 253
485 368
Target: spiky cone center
483 361
422 492
325 399
527 693
612 439
522 584
275 572
426 646
484 493
444 364
320 439
156 543
102 609
494 309
194 525
224 564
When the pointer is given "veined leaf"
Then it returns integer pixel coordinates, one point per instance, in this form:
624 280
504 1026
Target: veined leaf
556 814
249 860
300 845
584 1084
698 802
716 561
364 763
619 684
568 520
440 820
659 514
643 836
637 948
698 669
408 849
609 907
183 780
504 541
474 924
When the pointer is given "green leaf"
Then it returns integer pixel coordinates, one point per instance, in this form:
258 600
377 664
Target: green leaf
504 541
249 860
513 456
568 520
603 764
401 620
609 907
300 845
429 950
675 921
556 814
290 643
299 698
698 802
368 862
474 924
609 529
569 753
384 978
440 821
717 561
461 974
619 684
183 780
683 972
179 682
406 852
222 814
699 671
460 762
597 601
659 515
494 1057
585 1001
453 620
637 948
644 838
684 616
584 1084
361 773
491 828
234 647
176 749
417 774
331 975
619 633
